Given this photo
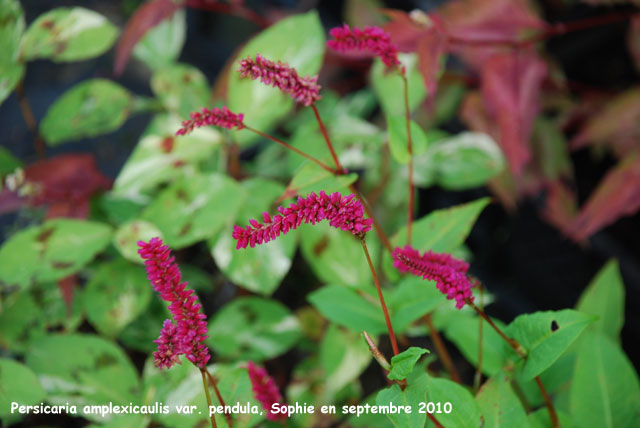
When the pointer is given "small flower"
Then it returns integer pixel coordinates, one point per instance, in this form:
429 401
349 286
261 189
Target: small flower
265 390
280 75
371 39
191 328
218 117
448 273
168 346
343 212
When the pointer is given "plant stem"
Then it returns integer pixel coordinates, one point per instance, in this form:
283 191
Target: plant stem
213 382
478 376
206 391
290 147
552 411
30 120
442 349
410 149
367 209
376 352
340 170
392 336
434 420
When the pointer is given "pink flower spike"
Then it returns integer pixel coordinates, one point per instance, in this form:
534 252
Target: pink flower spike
265 390
304 90
373 40
342 212
218 117
449 274
190 331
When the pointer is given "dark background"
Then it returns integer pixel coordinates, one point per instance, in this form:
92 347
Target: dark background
526 263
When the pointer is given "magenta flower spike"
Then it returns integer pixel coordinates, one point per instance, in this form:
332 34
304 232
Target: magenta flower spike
188 334
450 274
280 75
265 390
373 40
218 117
343 212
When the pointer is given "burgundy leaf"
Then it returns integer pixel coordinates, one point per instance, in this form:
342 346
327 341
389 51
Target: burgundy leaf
510 88
617 195
65 184
404 31
561 206
616 124
431 49
144 18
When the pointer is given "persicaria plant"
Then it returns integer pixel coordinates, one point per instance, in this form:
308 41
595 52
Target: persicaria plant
311 240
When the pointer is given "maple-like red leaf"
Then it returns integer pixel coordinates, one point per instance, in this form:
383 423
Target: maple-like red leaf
617 195
143 19
617 125
511 89
65 184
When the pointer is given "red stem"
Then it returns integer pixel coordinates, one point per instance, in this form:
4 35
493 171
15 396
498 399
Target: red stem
326 138
206 392
410 148
552 411
213 382
434 420
301 153
392 336
367 209
442 349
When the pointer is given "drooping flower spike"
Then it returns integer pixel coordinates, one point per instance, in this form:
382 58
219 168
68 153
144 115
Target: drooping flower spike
265 390
280 75
373 40
343 212
222 117
450 274
189 332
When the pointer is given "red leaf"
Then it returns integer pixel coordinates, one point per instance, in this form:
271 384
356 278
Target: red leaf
617 195
144 18
510 88
616 124
561 206
431 49
404 31
65 184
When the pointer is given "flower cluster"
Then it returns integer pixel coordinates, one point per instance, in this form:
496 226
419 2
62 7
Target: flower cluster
265 390
188 333
219 117
371 39
280 75
343 212
450 274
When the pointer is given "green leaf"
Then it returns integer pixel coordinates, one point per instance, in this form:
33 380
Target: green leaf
443 230
545 336
8 162
116 294
253 328
160 157
463 331
412 299
389 87
499 405
127 236
540 419
398 142
181 88
19 384
141 332
311 178
93 107
345 307
343 357
605 391
194 208
336 256
262 105
466 160
412 396
604 297
68 34
464 410
262 268
402 364
162 44
52 251
81 369
11 29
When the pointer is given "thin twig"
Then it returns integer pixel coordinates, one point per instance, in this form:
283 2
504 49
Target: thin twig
478 376
213 382
434 420
392 336
325 134
410 148
547 400
441 349
206 391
